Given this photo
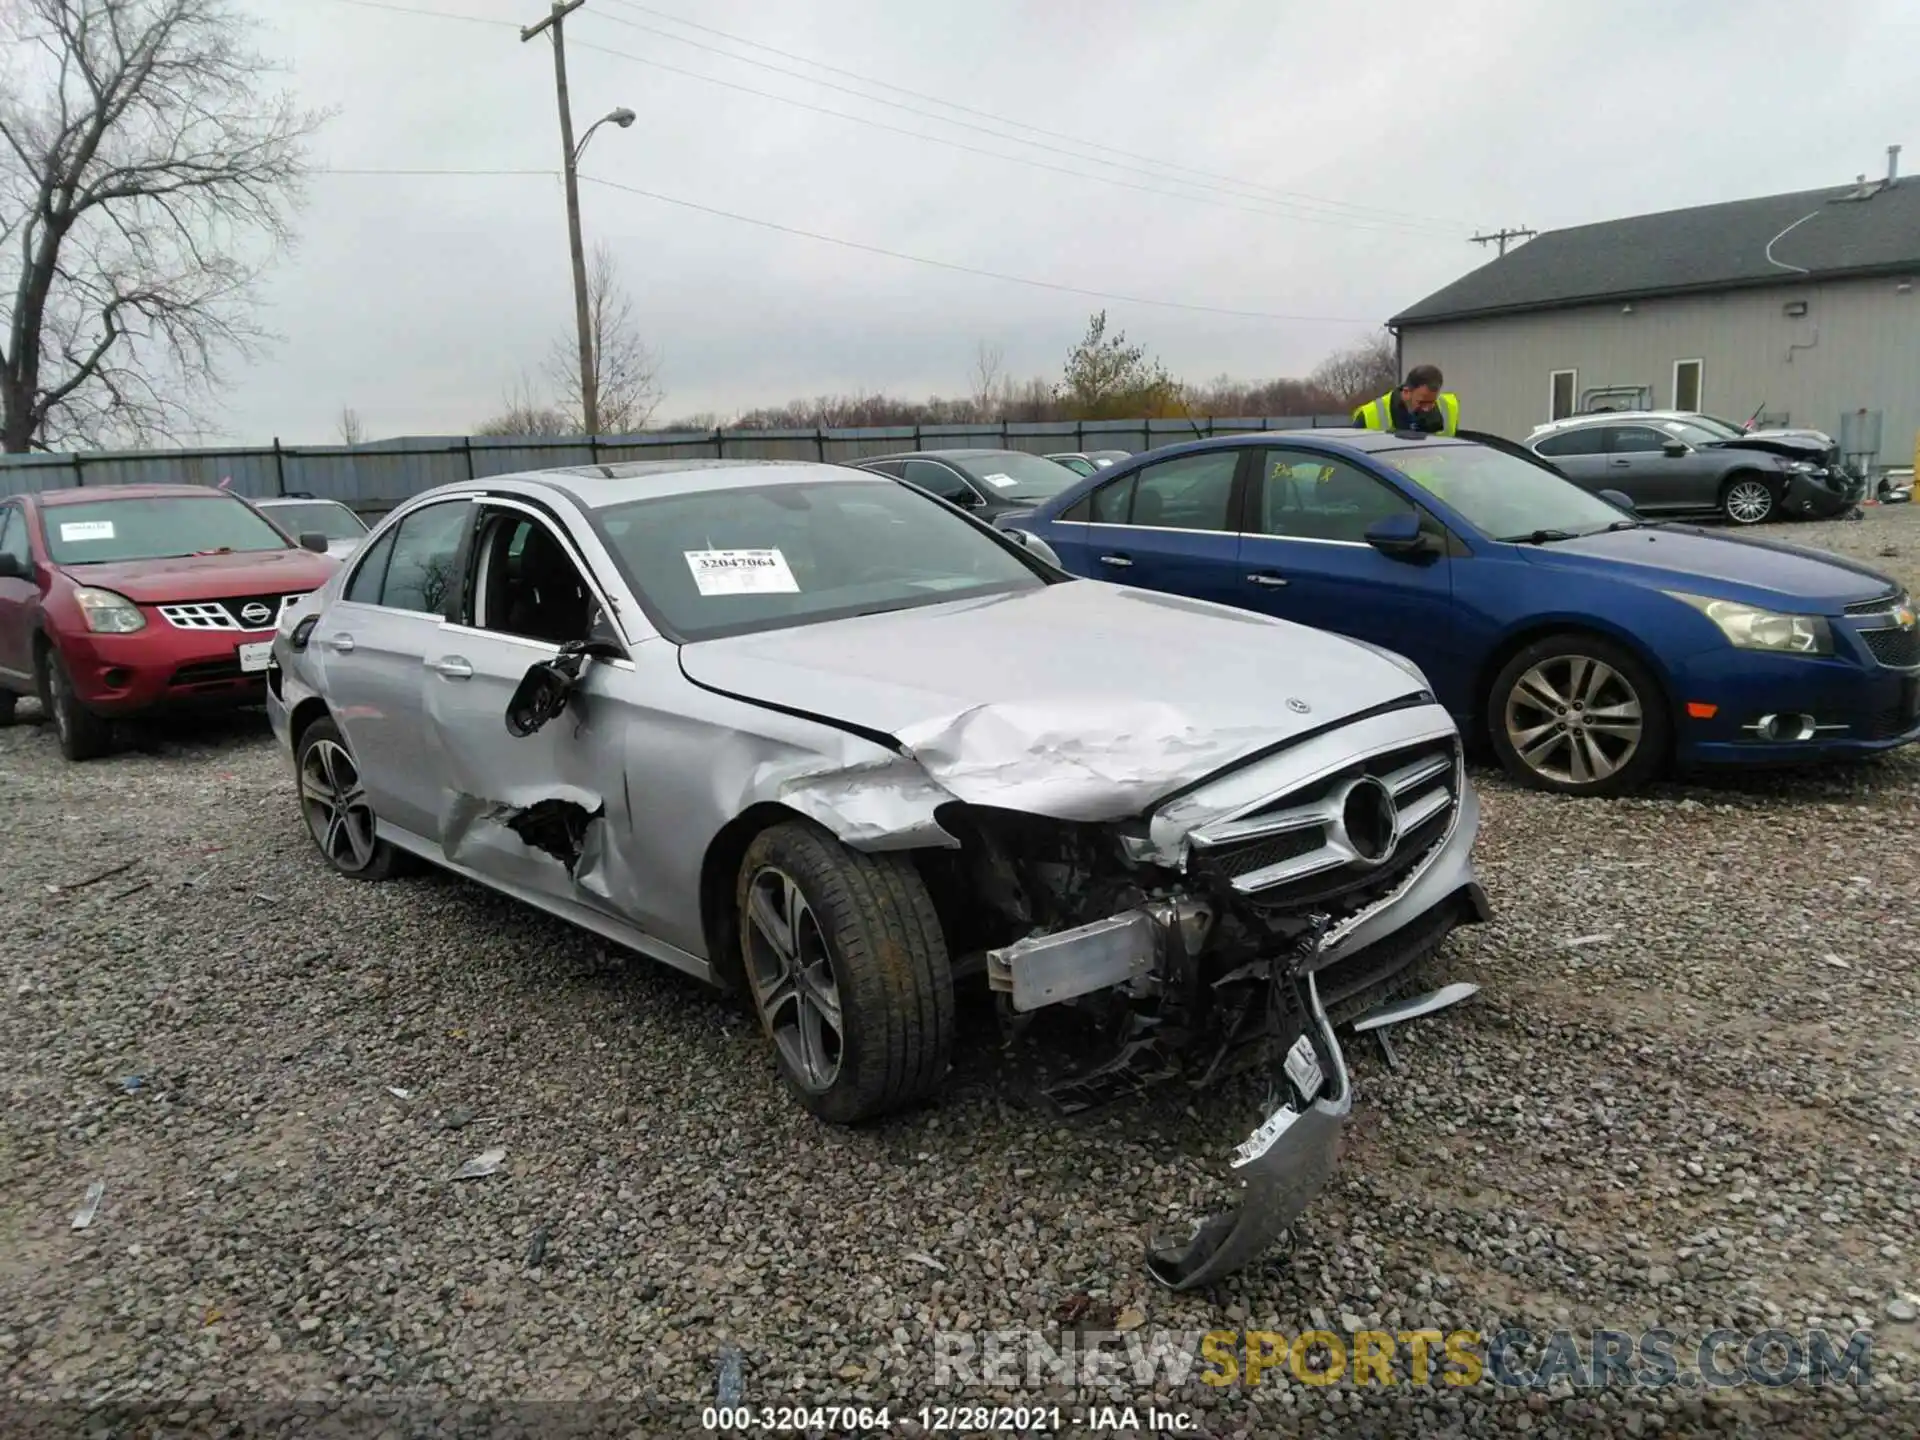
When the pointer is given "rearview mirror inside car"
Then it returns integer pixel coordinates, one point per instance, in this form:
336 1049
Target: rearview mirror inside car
1620 500
1401 536
1674 449
547 686
313 540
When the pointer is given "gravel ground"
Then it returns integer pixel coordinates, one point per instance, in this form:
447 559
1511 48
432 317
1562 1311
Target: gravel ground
1701 1114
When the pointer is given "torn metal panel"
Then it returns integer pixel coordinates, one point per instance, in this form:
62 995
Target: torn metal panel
886 805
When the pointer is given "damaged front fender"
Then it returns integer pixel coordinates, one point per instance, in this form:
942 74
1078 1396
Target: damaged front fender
1282 1166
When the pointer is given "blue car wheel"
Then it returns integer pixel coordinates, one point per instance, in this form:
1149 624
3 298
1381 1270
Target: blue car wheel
1579 715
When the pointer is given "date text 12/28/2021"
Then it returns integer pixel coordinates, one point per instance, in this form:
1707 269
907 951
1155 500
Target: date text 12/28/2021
944 1419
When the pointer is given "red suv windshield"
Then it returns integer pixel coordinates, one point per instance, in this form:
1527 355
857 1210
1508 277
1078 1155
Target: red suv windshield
154 529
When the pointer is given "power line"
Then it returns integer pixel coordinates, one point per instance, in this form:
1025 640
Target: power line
1503 236
973 270
435 14
1341 221
1262 191
342 170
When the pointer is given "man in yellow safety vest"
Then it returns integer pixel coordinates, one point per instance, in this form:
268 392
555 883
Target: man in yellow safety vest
1420 404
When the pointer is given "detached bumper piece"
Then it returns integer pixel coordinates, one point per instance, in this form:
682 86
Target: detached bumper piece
1282 1166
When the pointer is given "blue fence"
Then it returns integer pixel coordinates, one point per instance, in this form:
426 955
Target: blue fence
379 475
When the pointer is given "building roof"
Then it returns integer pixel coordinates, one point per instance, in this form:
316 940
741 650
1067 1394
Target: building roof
1813 234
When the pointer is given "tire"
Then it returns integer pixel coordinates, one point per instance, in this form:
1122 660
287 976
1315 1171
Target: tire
1585 674
83 735
8 700
1747 499
339 820
869 951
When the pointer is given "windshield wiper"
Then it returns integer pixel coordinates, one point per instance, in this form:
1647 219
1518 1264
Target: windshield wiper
1626 525
1539 537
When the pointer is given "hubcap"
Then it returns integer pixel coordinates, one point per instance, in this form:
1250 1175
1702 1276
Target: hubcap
1574 720
336 806
62 701
792 978
1749 502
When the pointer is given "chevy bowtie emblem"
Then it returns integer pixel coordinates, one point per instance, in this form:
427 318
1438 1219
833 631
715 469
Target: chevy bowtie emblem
1904 617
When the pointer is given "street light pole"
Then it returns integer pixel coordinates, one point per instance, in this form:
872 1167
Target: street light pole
589 381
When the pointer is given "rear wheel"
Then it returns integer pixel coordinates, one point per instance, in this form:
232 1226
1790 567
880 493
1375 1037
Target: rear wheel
1579 715
334 803
1747 500
847 966
83 734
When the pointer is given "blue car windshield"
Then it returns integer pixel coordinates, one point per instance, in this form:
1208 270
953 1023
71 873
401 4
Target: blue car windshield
1506 498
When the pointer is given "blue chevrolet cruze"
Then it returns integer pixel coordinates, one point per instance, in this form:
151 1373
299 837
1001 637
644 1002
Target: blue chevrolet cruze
1590 647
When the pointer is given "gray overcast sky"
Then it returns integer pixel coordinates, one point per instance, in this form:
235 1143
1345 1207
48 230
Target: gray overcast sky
419 301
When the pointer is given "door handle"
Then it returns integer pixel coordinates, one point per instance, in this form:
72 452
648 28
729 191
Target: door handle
453 667
342 642
1120 560
1623 464
1272 582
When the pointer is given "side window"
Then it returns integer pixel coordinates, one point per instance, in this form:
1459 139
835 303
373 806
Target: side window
1111 503
13 536
1315 497
1190 493
426 546
939 480
1080 511
896 468
528 584
1637 440
1573 442
364 587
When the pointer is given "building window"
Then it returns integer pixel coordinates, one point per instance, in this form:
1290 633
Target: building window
1686 384
1561 387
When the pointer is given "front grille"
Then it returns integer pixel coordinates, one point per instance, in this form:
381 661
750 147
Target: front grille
227 614
1897 647
1323 845
1885 604
1895 720
208 672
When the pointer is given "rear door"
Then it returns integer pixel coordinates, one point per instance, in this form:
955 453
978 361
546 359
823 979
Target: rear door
374 644
1303 557
1170 526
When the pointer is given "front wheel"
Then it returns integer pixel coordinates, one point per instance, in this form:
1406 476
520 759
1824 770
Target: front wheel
1747 500
1578 715
83 735
847 965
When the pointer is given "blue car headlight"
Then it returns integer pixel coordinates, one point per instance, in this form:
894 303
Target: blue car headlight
1748 627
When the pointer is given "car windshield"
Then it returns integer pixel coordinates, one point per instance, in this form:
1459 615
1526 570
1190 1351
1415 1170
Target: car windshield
155 528
328 518
1722 429
1010 475
1500 495
733 561
1695 432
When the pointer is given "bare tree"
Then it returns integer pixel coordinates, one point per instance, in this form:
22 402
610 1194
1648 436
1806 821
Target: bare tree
989 380
352 432
627 372
1106 378
523 412
146 179
1360 373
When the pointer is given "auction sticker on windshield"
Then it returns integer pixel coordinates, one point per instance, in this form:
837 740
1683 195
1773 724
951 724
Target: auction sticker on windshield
1005 482
87 530
741 572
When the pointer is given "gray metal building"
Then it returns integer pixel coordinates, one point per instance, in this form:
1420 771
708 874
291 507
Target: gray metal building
1799 306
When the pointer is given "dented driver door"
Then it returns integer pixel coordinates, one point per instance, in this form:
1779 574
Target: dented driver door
542 811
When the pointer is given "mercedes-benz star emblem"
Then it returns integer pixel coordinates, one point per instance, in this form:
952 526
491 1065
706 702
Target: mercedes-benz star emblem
1298 707
1371 820
256 613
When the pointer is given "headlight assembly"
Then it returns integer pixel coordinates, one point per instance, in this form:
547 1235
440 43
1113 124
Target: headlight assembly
1748 627
107 613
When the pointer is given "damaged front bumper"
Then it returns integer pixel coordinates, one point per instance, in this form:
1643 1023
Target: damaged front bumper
1282 1166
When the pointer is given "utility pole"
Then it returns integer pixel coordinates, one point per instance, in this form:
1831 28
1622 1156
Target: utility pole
1503 236
589 382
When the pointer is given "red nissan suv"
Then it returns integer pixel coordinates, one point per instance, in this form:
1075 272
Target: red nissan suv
122 601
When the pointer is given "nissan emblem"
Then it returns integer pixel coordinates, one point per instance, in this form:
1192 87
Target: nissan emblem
256 614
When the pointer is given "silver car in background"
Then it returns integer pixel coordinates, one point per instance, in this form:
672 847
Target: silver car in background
813 735
306 515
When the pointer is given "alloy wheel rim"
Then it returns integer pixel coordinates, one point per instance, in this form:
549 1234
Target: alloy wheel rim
1749 502
338 815
791 973
1574 720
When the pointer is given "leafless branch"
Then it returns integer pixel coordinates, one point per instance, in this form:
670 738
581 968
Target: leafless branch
146 182
626 371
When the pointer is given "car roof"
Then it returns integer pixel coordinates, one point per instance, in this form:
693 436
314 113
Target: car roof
267 500
977 452
77 496
1618 417
596 487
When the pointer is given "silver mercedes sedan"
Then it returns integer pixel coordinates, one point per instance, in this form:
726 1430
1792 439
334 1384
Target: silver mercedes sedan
818 737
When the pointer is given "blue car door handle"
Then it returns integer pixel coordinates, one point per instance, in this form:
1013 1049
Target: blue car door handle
1120 560
1267 578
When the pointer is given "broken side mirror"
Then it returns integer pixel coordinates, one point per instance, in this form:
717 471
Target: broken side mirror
1402 536
545 689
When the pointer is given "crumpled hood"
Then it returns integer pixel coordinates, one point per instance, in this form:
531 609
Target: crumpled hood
1081 701
1786 444
1746 568
209 577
